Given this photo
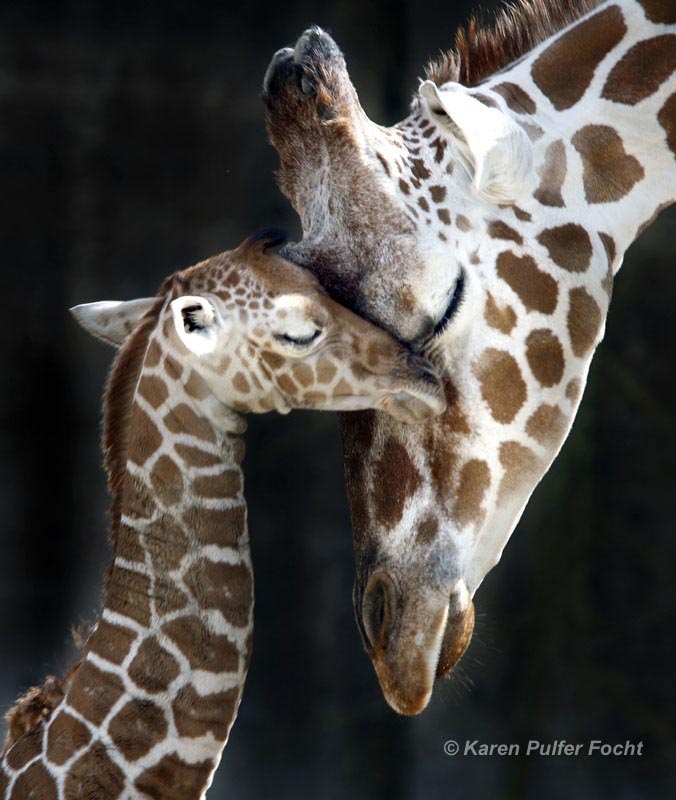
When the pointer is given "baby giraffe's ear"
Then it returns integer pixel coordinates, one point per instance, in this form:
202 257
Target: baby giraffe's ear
493 148
197 322
112 320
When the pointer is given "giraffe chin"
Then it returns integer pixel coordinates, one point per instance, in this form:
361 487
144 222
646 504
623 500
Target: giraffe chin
407 684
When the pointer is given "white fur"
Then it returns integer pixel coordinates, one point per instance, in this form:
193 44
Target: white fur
111 320
494 150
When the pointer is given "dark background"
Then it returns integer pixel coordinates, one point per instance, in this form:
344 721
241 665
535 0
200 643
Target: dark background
132 144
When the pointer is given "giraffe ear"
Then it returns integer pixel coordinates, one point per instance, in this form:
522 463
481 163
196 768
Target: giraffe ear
494 150
198 323
112 320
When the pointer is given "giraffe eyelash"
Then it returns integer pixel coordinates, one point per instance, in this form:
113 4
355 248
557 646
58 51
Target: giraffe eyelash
454 304
302 341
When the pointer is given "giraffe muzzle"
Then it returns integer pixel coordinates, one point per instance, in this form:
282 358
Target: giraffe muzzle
305 71
413 640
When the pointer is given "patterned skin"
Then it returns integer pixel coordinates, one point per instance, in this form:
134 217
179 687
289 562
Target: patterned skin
147 710
485 230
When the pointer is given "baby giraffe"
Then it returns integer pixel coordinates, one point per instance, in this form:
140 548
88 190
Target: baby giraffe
147 710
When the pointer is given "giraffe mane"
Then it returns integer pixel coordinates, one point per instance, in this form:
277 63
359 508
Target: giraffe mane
117 403
481 48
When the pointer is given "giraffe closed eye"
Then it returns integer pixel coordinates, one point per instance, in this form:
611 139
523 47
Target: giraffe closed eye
298 341
453 305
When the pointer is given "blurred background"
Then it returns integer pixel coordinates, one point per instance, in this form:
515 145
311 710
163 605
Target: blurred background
132 144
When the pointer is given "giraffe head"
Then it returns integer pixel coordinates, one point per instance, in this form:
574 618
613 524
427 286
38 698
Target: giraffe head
459 231
260 334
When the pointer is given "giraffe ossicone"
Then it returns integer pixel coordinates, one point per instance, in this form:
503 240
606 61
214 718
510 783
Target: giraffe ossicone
484 229
148 708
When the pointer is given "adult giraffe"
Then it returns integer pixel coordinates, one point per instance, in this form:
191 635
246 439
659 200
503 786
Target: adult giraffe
147 710
485 230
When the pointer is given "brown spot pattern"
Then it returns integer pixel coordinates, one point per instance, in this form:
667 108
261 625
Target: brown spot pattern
195 457
565 69
127 593
25 750
167 481
552 174
396 479
569 246
504 319
659 11
641 70
584 321
502 386
240 383
438 193
326 370
173 779
153 354
609 173
222 527
145 439
172 367
94 692
463 223
667 119
497 229
545 356
516 98
427 530
128 544
166 543
204 649
35 784
153 390
94 775
183 419
475 478
225 587
153 668
573 389
546 425
137 727
303 375
609 246
195 386
111 642
536 289
444 216
522 467
226 484
197 715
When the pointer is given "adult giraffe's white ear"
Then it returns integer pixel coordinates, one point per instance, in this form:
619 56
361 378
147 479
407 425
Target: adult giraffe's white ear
198 323
112 320
494 149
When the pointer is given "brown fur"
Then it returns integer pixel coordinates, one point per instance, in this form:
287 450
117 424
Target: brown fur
118 401
483 49
32 710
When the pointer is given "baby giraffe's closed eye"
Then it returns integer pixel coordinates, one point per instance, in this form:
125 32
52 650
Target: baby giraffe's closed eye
148 709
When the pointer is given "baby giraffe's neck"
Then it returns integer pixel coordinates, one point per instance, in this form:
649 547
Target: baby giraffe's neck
148 710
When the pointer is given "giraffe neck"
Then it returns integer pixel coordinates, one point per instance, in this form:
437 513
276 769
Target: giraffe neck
598 102
149 708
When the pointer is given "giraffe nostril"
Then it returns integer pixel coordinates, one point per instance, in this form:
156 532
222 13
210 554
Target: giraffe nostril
378 605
